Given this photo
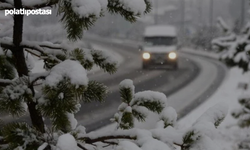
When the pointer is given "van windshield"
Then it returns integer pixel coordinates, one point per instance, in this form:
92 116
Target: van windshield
160 41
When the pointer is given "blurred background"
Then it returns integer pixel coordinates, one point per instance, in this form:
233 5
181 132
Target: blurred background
194 19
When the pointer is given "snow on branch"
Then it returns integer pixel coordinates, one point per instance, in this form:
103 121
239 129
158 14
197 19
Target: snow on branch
6 43
137 105
223 25
5 82
208 122
104 138
233 47
215 114
51 45
138 137
39 4
37 76
37 46
69 69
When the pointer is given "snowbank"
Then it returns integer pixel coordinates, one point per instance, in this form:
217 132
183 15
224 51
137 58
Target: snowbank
228 95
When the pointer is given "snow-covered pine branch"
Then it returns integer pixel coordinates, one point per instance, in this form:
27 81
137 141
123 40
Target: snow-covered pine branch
137 105
56 53
223 25
4 82
235 48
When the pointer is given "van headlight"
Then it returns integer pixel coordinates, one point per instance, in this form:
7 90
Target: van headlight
146 56
172 55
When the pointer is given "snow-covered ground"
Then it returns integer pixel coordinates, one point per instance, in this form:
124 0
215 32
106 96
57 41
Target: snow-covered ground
228 93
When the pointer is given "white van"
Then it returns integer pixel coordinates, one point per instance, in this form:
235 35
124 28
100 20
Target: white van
159 46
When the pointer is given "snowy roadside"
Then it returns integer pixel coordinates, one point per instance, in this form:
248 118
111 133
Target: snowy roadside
229 133
228 94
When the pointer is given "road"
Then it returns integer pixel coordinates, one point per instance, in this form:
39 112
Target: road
196 79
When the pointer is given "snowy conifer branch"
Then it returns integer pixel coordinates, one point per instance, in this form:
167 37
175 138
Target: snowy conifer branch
246 29
81 56
79 145
235 48
137 105
36 46
148 6
95 92
7 44
223 25
89 140
41 4
14 96
51 46
103 62
73 21
242 114
115 7
110 143
37 76
5 82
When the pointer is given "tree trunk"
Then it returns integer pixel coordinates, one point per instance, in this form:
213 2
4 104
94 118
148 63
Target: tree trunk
21 66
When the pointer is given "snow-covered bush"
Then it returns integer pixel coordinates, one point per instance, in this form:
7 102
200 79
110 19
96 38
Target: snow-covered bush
64 87
235 52
234 48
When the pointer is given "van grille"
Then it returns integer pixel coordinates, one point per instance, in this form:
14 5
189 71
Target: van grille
158 56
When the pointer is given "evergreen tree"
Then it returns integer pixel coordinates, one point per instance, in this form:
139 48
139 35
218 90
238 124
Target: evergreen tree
66 86
235 51
234 48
